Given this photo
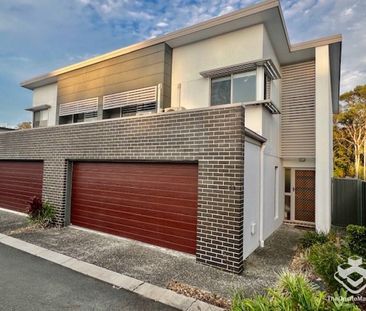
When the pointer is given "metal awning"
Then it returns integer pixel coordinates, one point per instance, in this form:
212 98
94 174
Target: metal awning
38 108
267 103
268 65
255 136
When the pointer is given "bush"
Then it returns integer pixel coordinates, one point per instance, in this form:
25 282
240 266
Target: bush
35 207
41 213
356 240
293 292
311 237
325 259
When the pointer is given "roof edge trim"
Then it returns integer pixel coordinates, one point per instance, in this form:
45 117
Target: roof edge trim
254 135
316 43
253 9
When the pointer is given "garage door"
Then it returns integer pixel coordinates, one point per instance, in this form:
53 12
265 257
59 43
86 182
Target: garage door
19 181
151 202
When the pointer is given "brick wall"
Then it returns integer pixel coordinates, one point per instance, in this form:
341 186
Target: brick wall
214 137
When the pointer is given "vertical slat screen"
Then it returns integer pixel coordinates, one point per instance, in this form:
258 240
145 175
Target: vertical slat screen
298 110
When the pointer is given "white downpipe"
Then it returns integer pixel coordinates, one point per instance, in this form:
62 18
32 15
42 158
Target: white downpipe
158 97
179 94
261 198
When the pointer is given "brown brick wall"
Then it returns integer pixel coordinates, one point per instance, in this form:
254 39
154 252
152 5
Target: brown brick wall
213 137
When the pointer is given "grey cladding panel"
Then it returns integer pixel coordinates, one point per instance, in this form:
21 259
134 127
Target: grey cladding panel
143 68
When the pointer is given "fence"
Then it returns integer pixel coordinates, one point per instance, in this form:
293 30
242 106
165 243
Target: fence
348 202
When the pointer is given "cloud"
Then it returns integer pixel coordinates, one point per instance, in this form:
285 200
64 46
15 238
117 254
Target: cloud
162 24
328 17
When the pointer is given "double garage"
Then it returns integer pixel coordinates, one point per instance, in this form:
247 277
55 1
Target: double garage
155 203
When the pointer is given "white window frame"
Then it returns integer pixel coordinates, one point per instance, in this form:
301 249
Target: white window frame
241 74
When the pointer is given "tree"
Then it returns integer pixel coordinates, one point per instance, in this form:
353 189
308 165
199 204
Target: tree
350 134
24 125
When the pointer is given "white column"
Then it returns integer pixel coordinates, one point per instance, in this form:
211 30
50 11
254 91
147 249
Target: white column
324 145
260 83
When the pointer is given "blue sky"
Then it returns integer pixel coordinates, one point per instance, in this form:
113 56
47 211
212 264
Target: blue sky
42 35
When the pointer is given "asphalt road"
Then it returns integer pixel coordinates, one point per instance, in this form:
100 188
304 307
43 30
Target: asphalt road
31 283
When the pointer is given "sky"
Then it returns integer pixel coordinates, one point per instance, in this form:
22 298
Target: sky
39 36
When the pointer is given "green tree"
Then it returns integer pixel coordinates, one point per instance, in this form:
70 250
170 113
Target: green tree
350 135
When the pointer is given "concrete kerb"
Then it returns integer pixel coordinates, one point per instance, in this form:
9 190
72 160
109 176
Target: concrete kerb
117 280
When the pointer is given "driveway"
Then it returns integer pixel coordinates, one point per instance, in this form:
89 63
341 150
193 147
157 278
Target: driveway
30 283
157 266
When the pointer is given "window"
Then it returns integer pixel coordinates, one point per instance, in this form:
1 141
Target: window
36 118
267 87
288 194
221 91
236 88
40 118
129 110
79 117
66 119
244 87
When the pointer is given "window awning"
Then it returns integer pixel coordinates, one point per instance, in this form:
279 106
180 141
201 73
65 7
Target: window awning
79 106
267 103
268 65
133 97
38 108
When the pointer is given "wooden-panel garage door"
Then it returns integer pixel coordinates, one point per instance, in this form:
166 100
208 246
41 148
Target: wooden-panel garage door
19 182
151 202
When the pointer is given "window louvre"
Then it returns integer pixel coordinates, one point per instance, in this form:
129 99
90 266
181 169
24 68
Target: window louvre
79 106
135 97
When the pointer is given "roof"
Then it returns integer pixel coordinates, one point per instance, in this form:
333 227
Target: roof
2 128
267 12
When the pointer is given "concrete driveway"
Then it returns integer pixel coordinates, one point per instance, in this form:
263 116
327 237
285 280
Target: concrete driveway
157 266
30 283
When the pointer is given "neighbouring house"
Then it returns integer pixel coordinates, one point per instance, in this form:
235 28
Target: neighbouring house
5 129
204 140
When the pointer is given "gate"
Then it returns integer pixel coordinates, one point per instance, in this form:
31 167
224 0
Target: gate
348 202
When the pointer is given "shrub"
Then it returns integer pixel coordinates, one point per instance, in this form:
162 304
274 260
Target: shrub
35 207
41 213
293 292
356 239
311 237
325 259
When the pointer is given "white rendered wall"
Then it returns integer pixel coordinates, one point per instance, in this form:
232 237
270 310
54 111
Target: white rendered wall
47 95
323 134
241 46
225 50
273 200
252 181
261 121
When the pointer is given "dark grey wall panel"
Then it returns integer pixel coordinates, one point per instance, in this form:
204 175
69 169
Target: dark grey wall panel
143 68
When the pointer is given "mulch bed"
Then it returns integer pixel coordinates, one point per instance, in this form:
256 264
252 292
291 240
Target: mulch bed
199 294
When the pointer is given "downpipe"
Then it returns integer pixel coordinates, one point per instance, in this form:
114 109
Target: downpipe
261 197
